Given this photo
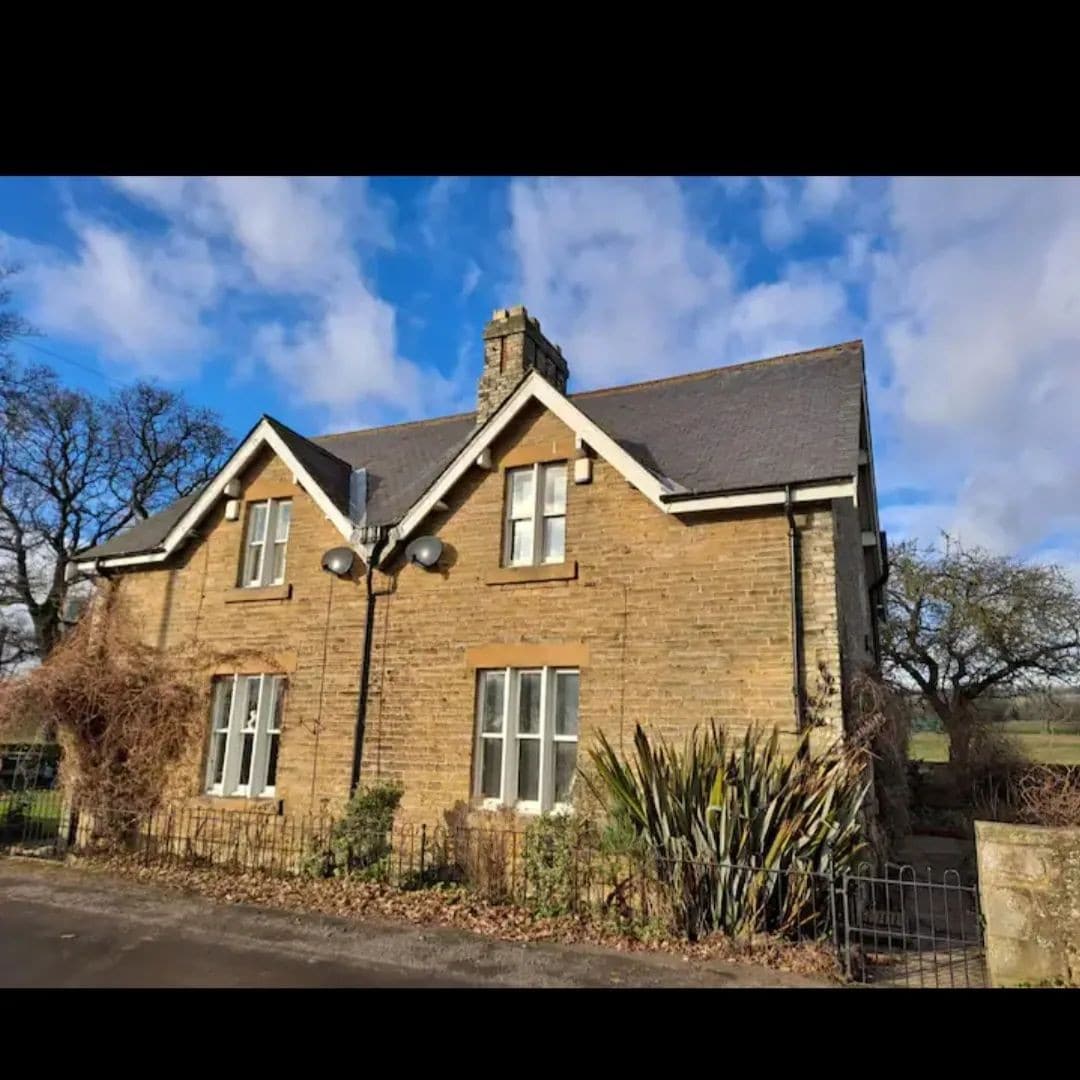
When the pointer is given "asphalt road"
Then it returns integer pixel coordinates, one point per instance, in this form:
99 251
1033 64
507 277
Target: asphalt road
65 927
53 947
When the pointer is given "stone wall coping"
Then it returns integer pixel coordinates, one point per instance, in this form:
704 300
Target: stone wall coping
1007 832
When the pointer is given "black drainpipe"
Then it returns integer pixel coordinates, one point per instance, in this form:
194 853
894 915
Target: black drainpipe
365 663
796 628
877 600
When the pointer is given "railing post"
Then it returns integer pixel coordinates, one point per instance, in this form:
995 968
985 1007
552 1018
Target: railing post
832 903
847 929
423 848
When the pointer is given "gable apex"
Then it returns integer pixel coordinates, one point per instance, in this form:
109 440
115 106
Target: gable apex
315 467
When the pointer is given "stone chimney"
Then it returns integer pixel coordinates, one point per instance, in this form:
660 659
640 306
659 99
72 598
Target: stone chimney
514 346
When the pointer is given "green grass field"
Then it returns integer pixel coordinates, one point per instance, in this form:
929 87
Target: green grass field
41 813
1053 749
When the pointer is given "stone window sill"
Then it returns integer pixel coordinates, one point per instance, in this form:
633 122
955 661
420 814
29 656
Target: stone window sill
270 592
518 575
263 804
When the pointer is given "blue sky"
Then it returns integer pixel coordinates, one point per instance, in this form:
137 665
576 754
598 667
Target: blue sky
338 303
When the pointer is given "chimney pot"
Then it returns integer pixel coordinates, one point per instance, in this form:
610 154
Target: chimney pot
513 346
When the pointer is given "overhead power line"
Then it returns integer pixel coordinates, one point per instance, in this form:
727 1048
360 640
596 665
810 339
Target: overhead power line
67 360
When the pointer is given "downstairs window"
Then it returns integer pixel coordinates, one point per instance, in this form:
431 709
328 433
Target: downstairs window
526 737
245 735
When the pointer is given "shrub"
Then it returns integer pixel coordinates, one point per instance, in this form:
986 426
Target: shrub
1050 795
481 859
359 843
994 772
124 713
740 838
882 724
15 810
558 861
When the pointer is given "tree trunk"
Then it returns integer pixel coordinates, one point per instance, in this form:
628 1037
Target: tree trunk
960 727
46 622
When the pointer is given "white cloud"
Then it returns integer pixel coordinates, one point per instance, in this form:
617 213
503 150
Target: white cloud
293 234
624 279
972 325
143 297
436 205
141 300
348 354
972 293
976 302
789 206
471 279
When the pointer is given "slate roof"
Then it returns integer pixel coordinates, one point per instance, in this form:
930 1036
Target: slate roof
145 535
787 419
402 460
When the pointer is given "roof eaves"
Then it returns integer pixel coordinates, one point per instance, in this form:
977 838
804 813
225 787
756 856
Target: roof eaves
678 496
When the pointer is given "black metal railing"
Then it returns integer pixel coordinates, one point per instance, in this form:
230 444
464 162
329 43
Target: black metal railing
903 928
890 925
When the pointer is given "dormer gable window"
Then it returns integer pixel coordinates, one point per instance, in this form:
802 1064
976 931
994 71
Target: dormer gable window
265 542
535 528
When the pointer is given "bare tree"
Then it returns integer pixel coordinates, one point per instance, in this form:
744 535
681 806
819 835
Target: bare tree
75 470
16 642
16 637
963 624
12 325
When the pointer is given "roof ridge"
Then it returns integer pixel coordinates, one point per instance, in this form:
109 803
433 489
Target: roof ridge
388 427
688 376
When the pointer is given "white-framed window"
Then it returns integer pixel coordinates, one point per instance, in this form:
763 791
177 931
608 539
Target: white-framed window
267 538
535 529
245 734
526 737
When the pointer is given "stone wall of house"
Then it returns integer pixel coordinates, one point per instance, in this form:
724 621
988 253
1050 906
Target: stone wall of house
1029 887
673 622
855 627
314 637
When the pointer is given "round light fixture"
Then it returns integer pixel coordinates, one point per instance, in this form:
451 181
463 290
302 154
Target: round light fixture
424 551
339 560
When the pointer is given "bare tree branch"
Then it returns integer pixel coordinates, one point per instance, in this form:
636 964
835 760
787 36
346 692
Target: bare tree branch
76 469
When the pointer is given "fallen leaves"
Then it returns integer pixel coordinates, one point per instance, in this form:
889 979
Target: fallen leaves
453 906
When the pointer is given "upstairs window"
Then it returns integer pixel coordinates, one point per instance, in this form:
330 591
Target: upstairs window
527 736
535 515
267 538
245 733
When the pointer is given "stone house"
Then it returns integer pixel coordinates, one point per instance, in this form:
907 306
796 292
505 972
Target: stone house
461 603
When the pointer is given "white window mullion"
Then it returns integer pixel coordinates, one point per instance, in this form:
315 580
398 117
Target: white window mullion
268 544
510 751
